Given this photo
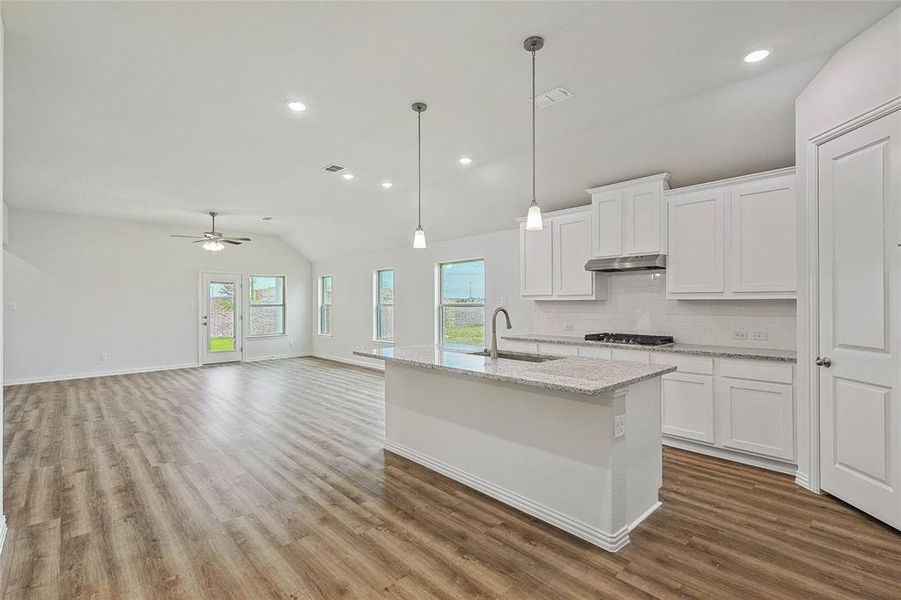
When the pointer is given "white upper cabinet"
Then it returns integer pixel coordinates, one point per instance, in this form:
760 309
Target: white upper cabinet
535 269
629 218
733 239
552 260
572 249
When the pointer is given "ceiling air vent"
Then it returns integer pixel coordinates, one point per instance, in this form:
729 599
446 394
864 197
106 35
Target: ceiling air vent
550 97
333 168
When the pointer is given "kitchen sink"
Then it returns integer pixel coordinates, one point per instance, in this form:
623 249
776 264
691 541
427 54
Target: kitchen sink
535 358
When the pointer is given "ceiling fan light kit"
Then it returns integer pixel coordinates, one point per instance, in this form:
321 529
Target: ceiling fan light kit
214 241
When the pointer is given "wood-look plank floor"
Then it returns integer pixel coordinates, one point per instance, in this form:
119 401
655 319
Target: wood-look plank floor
268 480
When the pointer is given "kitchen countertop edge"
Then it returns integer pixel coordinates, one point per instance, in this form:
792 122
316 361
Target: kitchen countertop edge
690 349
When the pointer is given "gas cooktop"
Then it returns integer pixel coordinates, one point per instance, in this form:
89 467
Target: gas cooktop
635 339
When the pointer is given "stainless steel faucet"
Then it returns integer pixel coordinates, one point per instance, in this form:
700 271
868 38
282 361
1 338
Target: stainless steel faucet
499 309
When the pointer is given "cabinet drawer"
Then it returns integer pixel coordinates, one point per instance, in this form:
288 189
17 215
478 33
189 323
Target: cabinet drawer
558 349
687 406
702 365
760 370
633 355
595 352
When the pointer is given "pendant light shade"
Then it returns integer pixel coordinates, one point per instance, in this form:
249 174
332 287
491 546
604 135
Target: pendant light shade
533 221
419 234
419 238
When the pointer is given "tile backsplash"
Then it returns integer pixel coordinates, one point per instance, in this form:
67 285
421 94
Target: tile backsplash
637 304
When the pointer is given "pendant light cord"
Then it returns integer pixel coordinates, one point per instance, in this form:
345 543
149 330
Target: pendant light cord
533 127
419 161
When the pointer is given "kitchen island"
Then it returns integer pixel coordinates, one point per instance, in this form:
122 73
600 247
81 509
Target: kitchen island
572 441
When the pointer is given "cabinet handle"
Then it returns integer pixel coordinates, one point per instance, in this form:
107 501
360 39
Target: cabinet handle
823 362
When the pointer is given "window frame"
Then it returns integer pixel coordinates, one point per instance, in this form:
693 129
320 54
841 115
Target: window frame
440 304
376 303
283 305
321 303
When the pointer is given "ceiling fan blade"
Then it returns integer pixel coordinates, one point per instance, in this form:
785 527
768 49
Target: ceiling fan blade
198 241
237 239
193 237
232 242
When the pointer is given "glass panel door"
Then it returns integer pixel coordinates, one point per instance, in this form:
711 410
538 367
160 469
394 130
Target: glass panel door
221 318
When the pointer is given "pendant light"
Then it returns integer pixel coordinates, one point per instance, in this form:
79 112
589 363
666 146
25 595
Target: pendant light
419 235
533 221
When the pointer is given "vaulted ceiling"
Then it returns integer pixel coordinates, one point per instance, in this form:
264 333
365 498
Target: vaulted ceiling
162 111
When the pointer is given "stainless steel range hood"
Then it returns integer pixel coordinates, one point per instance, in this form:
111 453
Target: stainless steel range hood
647 262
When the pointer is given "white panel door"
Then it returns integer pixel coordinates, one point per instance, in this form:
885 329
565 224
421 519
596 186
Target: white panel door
696 252
641 219
572 249
859 184
687 406
607 212
221 324
764 237
535 261
756 416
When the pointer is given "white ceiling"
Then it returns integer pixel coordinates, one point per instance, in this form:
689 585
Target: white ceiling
162 111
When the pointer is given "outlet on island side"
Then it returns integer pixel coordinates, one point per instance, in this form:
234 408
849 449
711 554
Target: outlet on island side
619 427
569 327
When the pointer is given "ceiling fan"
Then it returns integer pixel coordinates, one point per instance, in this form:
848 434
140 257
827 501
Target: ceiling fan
214 241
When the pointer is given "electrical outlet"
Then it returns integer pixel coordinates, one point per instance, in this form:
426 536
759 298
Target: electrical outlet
739 334
619 427
503 301
104 356
12 307
569 327
760 335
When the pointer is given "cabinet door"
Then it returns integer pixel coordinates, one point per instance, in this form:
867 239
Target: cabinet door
607 218
687 406
642 208
763 245
696 252
536 261
572 249
756 416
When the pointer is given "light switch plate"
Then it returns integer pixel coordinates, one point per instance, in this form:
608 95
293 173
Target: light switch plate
619 427
761 335
739 334
12 307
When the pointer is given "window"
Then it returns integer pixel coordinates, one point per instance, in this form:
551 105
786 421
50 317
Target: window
461 303
266 311
325 305
384 305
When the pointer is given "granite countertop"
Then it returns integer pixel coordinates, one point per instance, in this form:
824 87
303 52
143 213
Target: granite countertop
697 350
586 376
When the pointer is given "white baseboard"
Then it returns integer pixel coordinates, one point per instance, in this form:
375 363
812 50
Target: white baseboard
644 515
602 539
2 532
739 457
350 361
277 356
51 378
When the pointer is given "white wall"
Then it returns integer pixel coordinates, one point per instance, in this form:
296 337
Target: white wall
862 75
637 304
3 227
84 285
414 290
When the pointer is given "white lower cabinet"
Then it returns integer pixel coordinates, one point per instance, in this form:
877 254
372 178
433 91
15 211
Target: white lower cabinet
687 406
756 416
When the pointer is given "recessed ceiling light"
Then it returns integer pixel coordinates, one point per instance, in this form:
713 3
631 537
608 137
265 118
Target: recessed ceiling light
465 160
387 185
348 176
297 106
757 55
267 218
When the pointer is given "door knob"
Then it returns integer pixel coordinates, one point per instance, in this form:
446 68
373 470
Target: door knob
823 362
